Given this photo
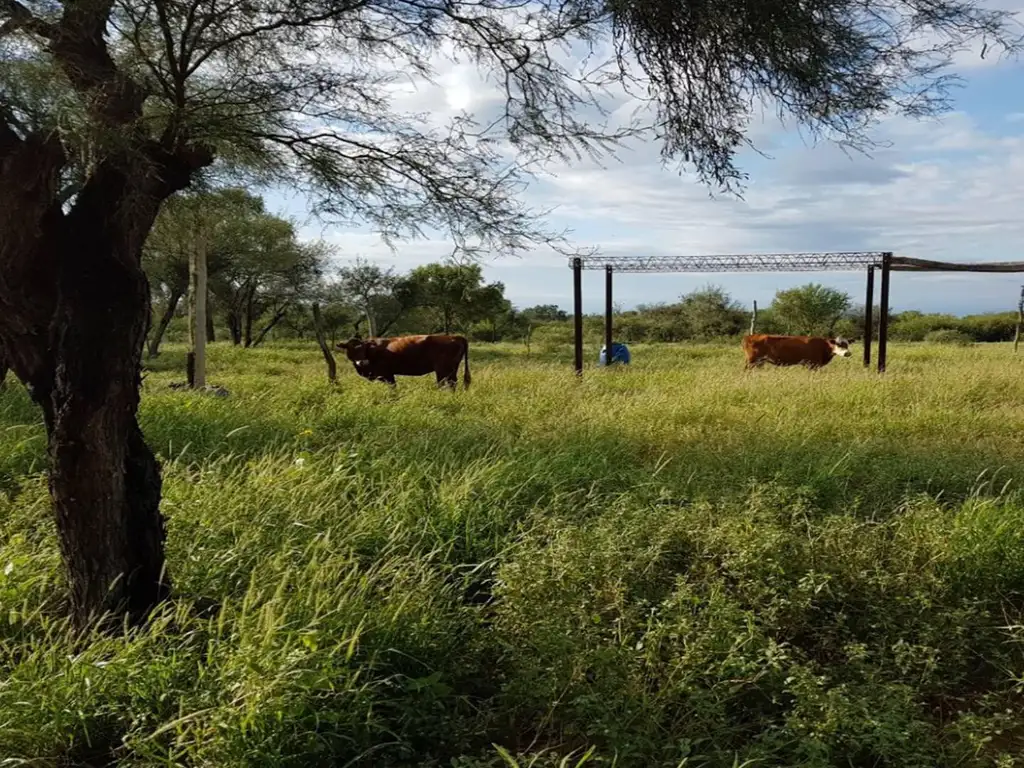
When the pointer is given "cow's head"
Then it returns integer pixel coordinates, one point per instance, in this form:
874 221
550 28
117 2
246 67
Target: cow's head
358 351
840 347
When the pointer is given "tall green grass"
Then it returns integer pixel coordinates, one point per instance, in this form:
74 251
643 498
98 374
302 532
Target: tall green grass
678 563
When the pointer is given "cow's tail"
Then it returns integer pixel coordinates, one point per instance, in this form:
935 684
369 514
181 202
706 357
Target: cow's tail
466 378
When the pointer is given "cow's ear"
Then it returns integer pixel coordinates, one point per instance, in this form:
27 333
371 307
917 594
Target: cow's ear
342 345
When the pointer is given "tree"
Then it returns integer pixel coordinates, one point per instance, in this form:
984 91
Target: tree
809 309
107 109
710 312
455 294
165 262
220 222
504 323
546 313
285 289
337 313
371 289
852 323
491 308
261 266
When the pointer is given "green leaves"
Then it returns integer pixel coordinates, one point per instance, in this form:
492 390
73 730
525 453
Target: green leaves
809 309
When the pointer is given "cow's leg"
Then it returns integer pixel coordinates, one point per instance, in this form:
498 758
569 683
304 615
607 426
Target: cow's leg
447 378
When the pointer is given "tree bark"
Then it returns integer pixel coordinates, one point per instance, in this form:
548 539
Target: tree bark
74 314
76 310
84 372
165 319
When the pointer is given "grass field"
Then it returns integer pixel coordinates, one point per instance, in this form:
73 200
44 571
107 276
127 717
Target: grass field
677 564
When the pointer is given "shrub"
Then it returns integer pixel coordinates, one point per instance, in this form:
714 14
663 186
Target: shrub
949 336
915 326
994 327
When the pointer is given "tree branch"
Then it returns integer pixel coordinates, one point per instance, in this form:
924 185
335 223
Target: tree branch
79 48
21 18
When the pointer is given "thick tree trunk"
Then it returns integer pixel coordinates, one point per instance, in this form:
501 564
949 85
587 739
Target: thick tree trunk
104 479
74 312
165 319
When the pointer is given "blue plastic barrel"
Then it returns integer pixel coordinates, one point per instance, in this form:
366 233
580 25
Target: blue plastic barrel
620 354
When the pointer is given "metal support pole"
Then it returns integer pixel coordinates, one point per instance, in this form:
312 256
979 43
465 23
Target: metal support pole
869 312
577 291
608 314
1020 320
883 318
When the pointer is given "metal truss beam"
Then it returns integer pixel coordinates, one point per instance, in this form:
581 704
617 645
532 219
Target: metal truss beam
821 261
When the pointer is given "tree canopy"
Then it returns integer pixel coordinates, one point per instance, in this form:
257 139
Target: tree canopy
372 288
809 309
301 93
257 266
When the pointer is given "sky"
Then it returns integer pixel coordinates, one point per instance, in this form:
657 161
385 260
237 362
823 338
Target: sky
948 188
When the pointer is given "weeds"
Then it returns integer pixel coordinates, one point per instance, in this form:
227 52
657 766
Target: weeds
677 564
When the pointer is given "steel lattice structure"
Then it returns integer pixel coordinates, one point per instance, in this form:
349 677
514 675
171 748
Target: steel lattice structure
821 261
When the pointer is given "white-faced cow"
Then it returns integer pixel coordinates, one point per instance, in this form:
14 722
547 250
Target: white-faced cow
381 359
812 351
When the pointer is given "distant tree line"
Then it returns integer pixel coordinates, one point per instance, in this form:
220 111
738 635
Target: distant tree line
263 282
710 313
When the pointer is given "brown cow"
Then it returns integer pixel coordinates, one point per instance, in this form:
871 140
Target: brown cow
812 351
382 359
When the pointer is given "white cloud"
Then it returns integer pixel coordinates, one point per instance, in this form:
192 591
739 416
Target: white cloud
944 189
